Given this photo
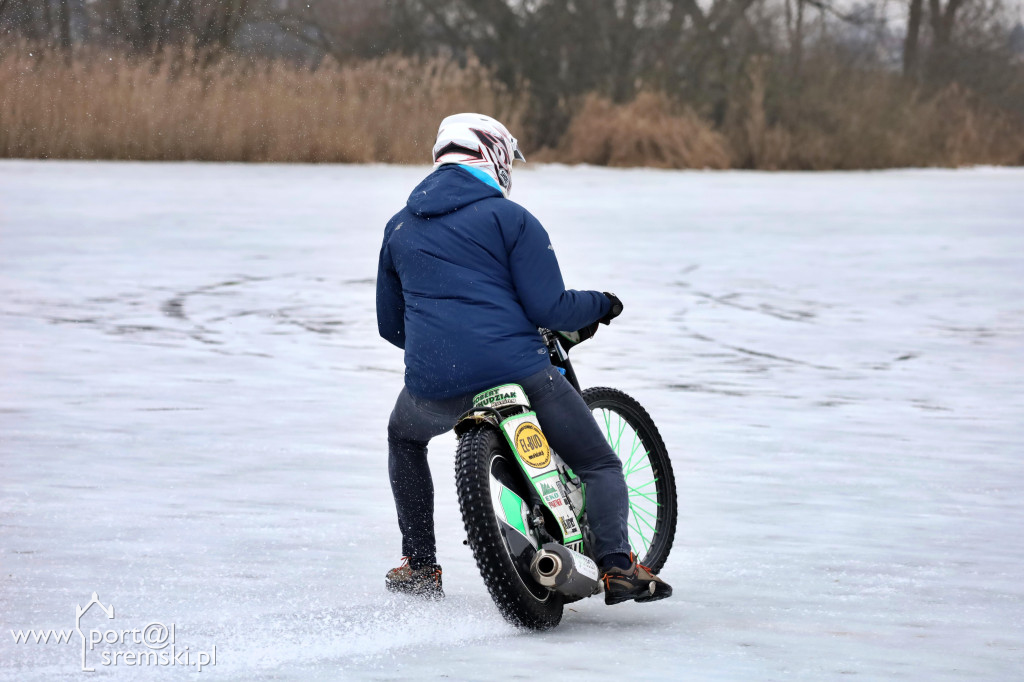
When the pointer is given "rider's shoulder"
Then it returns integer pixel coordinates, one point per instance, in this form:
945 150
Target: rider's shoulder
515 213
403 215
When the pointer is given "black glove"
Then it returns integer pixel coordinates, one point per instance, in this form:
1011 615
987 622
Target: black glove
615 310
588 331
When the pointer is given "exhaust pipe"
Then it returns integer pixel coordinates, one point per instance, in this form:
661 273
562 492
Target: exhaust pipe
559 568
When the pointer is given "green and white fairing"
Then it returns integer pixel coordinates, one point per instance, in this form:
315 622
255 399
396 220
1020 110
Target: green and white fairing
542 467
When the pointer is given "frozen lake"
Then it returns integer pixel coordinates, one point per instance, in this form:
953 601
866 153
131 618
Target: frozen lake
193 401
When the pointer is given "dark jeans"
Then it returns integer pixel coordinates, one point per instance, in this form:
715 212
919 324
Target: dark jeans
570 429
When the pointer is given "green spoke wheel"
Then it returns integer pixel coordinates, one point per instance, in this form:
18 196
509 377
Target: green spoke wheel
646 467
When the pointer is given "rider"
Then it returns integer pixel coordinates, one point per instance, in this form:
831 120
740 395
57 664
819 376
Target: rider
465 279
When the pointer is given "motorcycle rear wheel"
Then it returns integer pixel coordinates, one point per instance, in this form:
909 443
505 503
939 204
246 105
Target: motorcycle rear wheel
483 463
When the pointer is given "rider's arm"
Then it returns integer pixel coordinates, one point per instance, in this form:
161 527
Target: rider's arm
538 281
390 303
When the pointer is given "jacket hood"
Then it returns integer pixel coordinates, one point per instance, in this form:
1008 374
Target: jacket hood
448 189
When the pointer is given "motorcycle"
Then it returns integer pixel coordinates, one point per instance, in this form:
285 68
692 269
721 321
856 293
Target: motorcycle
524 509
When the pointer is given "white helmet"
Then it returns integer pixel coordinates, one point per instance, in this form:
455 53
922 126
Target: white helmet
478 141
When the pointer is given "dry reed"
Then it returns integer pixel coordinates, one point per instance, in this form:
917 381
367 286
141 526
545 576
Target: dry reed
849 120
649 131
179 106
106 106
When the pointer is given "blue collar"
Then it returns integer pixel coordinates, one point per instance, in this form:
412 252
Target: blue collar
481 176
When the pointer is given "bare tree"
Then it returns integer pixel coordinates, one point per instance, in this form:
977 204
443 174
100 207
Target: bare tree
150 25
567 48
344 29
216 23
64 25
795 31
48 21
943 23
912 42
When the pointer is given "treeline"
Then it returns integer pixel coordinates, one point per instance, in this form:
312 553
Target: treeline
676 83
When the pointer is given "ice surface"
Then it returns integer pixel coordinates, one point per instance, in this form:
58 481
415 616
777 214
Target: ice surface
193 400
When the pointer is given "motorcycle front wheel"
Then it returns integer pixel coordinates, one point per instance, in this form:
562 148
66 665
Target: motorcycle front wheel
650 483
491 493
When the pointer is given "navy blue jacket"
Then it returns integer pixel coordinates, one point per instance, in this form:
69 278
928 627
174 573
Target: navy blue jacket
465 278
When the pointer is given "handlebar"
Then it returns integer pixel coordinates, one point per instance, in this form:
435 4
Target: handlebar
558 349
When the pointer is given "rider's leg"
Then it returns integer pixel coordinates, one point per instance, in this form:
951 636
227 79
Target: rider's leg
413 423
572 431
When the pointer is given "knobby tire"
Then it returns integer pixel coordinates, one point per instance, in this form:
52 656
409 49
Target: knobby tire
477 451
660 488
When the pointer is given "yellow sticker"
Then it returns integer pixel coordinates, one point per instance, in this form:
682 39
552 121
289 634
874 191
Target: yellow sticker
532 445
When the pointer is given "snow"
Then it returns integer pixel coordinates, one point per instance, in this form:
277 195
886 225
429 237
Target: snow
194 398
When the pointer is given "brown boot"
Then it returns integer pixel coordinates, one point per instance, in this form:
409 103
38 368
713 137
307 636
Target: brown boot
637 583
422 582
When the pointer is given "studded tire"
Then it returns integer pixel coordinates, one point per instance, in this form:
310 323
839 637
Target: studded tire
483 456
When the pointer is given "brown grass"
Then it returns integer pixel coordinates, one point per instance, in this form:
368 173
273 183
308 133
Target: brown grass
172 107
848 120
107 106
649 131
